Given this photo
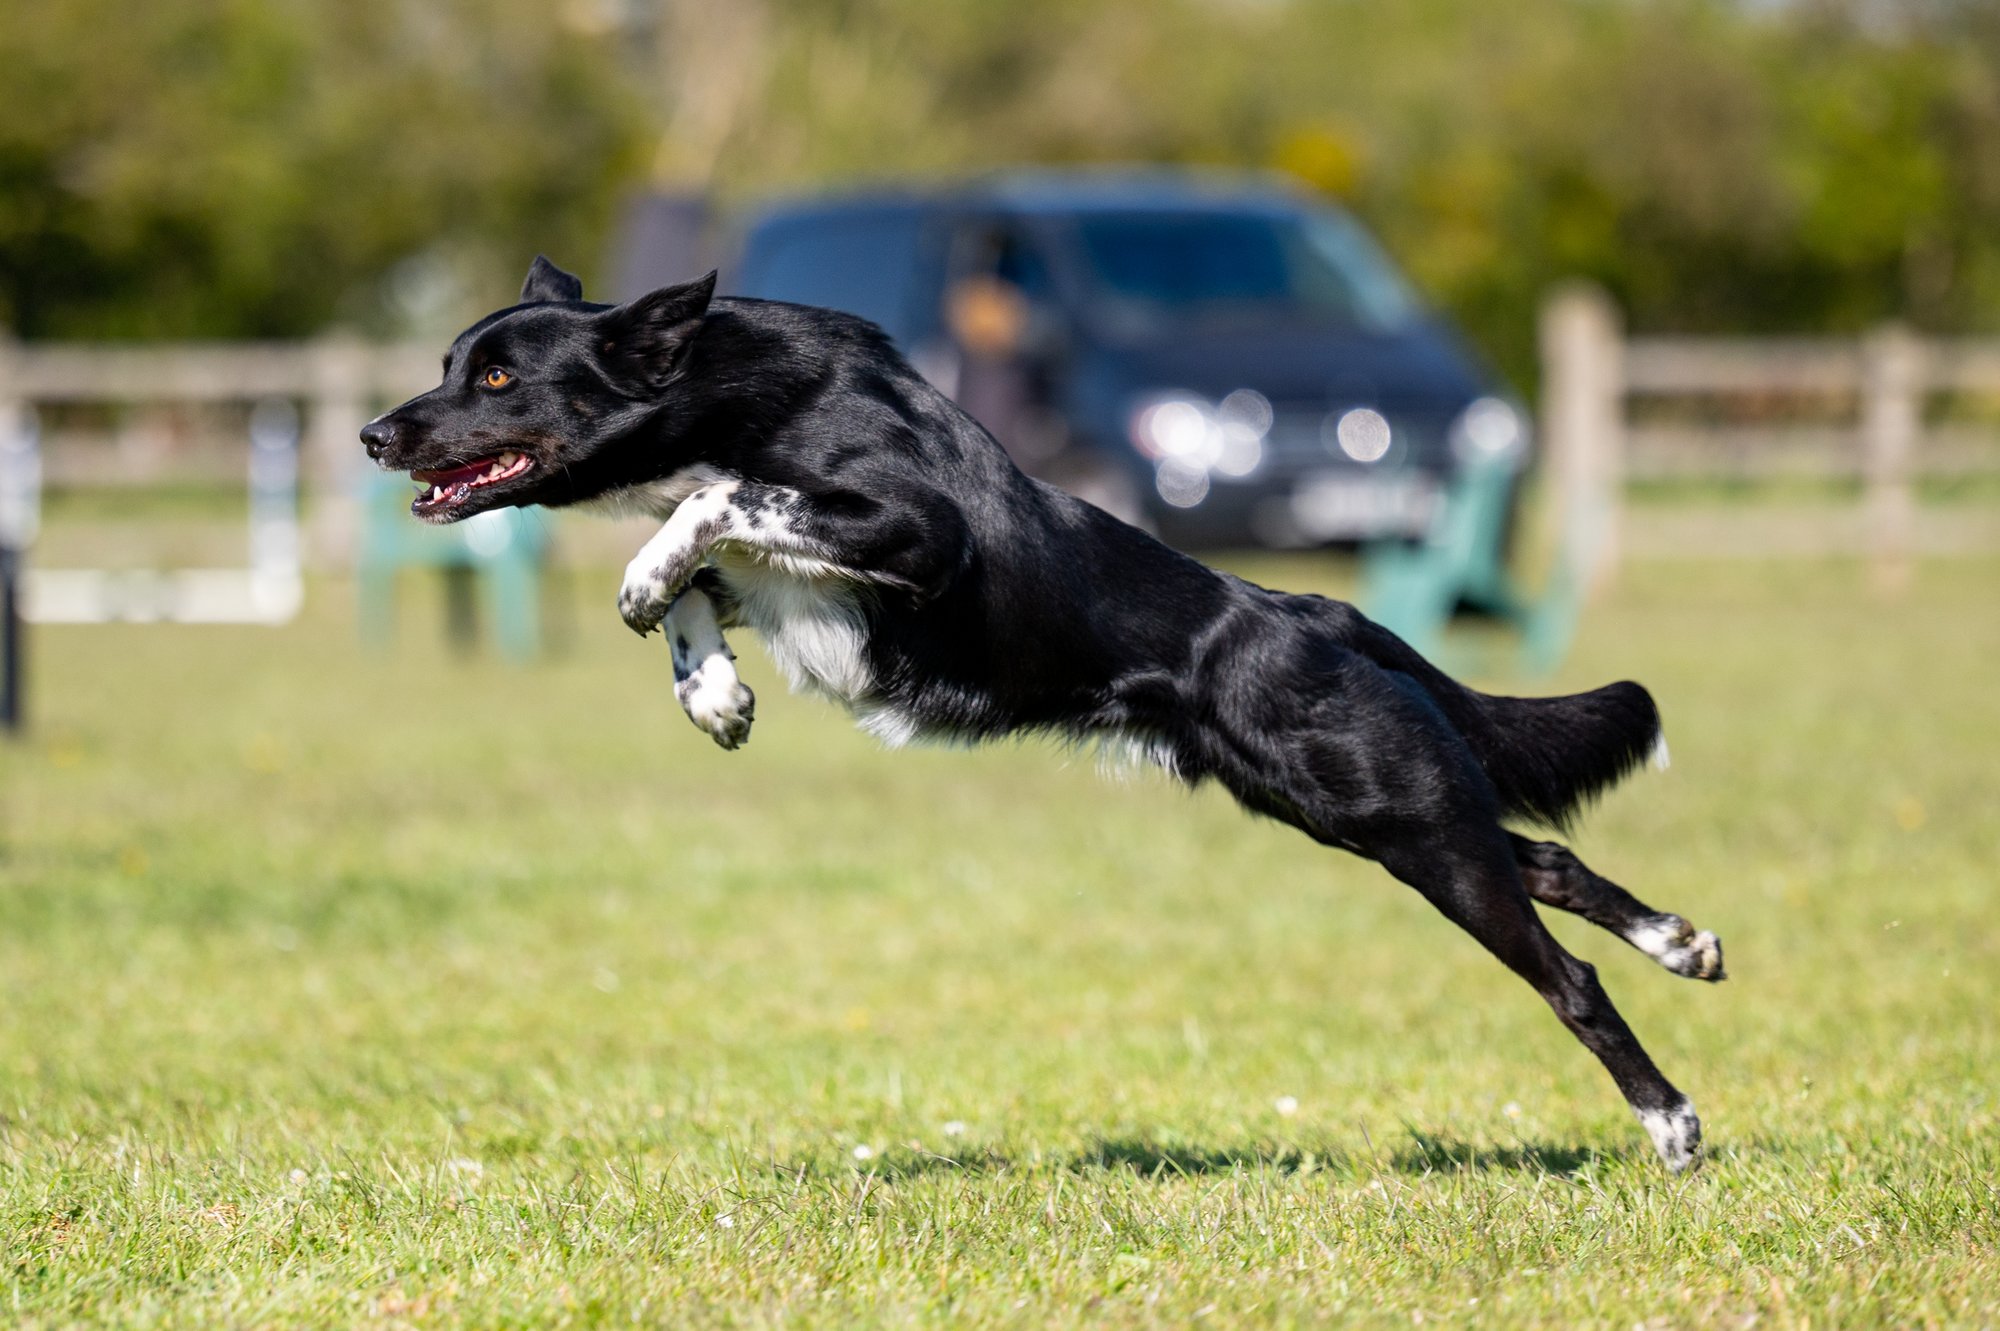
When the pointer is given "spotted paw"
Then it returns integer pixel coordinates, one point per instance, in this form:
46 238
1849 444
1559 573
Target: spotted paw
1676 1134
643 599
649 590
1682 949
719 703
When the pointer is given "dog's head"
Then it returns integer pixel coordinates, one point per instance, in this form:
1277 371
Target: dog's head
533 393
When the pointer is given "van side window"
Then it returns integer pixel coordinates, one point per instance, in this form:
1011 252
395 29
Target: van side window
1000 284
1018 261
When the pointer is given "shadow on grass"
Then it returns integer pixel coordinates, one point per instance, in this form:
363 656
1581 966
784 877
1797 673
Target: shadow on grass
1423 1153
1427 1154
1157 1160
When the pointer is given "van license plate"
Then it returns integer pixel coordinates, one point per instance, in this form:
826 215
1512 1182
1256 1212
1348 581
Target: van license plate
1328 508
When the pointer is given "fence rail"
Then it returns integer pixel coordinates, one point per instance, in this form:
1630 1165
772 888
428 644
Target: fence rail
1686 450
230 372
1802 365
1823 407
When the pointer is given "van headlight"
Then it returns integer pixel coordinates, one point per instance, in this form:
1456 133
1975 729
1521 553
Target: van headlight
1186 434
1174 426
1490 429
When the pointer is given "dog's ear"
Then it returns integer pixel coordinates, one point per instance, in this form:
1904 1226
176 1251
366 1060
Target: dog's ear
645 337
547 282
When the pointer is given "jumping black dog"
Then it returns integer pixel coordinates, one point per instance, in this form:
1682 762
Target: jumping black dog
815 488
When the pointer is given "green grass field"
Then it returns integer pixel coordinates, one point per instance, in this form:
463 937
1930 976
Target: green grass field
416 990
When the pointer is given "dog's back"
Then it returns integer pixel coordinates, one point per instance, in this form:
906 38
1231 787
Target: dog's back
1059 617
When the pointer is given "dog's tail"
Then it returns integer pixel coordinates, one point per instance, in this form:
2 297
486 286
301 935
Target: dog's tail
1547 757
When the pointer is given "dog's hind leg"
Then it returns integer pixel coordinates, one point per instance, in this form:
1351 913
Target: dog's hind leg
1470 876
1363 759
1556 877
705 678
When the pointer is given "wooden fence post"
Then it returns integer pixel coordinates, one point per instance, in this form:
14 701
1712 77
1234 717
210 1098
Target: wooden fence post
1892 407
1583 425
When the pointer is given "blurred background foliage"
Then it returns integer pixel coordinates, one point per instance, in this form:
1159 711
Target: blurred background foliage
267 167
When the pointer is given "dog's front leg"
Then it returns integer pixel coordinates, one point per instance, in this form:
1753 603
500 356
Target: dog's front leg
666 564
914 543
705 678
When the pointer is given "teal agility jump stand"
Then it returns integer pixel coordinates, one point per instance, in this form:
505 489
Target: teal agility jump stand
501 550
1413 590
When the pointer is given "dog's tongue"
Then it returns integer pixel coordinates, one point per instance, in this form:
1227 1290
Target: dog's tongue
451 476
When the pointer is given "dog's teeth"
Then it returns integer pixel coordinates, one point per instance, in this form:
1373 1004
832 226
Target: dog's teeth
437 493
507 461
493 472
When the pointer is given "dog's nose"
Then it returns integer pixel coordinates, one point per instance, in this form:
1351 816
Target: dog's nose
376 436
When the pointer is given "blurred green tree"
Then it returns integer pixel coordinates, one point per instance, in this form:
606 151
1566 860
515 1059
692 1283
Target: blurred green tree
1820 164
244 168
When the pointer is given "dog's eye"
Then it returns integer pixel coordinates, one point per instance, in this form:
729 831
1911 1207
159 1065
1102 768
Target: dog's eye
496 378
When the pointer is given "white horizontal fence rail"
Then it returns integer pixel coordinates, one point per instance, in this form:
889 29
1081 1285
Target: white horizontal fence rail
1619 409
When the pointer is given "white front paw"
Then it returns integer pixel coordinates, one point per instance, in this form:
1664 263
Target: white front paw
666 563
718 702
645 594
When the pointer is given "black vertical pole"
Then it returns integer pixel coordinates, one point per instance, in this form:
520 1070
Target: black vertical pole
11 644
20 502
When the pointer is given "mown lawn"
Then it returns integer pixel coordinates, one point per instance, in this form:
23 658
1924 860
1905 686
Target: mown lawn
417 990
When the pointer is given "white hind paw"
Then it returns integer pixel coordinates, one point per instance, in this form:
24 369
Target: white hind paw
1681 948
1676 1134
718 702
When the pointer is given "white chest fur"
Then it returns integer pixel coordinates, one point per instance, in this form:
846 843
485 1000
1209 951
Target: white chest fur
811 625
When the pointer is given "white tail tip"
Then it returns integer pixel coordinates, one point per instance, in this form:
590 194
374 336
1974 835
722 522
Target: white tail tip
1661 758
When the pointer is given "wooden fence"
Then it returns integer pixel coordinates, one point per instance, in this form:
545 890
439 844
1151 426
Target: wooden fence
339 383
1618 410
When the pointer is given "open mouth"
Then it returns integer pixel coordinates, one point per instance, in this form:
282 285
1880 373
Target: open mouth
446 490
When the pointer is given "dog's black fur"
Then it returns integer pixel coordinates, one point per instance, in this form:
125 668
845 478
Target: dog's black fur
804 469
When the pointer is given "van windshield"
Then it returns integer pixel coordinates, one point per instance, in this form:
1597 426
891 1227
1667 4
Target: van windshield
1158 268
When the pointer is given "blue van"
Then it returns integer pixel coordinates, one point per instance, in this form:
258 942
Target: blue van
1222 359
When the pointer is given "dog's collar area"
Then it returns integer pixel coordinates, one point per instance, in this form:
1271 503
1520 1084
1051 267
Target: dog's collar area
446 488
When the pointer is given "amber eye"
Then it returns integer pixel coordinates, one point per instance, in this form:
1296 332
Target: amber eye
497 378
